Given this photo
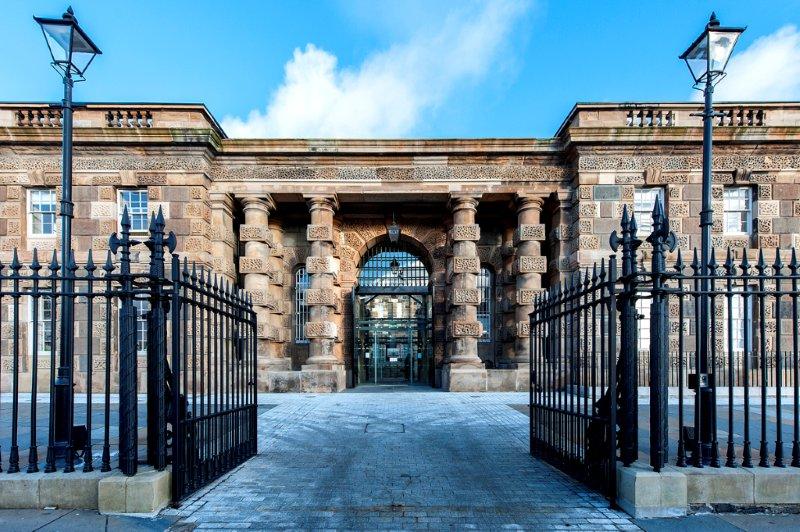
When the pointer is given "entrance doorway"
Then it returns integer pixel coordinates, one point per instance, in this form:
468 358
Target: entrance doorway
392 319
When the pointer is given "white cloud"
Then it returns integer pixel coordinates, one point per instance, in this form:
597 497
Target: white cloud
388 94
769 69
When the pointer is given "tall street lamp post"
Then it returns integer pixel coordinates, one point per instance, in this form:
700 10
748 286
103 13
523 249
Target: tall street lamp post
707 58
72 52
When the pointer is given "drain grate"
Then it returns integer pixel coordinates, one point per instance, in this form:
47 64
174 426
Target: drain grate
385 427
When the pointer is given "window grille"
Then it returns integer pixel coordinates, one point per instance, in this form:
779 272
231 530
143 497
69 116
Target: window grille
136 201
486 288
42 209
738 206
394 266
300 306
644 201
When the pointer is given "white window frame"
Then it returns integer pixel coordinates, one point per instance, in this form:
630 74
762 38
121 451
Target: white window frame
748 192
121 206
643 208
301 284
745 321
141 326
486 287
31 232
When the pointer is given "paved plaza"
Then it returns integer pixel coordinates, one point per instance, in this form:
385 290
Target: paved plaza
410 458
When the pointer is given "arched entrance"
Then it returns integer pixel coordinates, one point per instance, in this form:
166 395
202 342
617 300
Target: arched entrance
392 318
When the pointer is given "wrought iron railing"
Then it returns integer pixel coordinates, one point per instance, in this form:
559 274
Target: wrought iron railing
737 403
193 350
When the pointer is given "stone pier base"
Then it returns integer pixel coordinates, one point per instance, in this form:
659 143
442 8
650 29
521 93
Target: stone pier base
484 380
307 380
679 491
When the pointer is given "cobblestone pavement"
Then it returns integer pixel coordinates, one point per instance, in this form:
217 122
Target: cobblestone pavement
400 460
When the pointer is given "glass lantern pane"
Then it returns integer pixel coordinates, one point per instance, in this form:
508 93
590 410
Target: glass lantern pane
721 45
58 36
81 60
697 59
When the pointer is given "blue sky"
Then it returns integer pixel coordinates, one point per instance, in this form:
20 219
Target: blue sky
409 68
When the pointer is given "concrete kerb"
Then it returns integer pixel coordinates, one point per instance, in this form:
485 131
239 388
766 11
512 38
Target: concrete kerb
112 492
674 491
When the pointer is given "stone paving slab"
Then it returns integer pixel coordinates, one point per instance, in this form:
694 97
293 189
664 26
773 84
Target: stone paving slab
461 461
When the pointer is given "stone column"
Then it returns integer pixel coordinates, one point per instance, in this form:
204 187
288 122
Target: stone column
255 267
529 265
464 370
223 241
321 296
280 333
509 284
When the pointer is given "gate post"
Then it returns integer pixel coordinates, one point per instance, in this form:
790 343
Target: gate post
626 302
128 427
157 344
662 240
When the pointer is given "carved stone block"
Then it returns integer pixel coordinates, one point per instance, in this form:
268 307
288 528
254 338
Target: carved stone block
321 329
528 232
465 296
768 241
103 209
257 233
523 329
678 209
13 192
466 264
151 179
329 265
319 233
769 208
466 232
466 329
589 209
321 296
253 265
531 264
737 242
526 296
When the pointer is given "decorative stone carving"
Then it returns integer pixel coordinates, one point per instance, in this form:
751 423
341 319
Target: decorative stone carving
527 295
322 233
529 232
100 209
523 329
322 265
253 265
465 296
321 329
531 264
257 233
768 208
321 296
466 232
466 264
469 329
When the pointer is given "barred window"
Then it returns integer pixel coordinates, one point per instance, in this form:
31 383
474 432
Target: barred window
300 307
738 207
42 212
136 201
486 288
644 201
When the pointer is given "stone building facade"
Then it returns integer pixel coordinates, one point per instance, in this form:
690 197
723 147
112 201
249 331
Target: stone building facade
484 224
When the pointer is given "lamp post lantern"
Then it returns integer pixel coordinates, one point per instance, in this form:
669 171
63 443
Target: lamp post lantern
72 52
707 58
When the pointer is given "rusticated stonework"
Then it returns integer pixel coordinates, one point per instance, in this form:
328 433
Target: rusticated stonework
321 296
527 264
254 233
465 296
462 329
527 232
466 264
466 232
321 329
322 265
319 233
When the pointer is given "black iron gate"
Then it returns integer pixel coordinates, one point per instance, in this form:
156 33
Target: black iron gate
573 392
202 395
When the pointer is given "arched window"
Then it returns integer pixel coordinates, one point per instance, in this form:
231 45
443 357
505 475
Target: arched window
300 307
485 309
